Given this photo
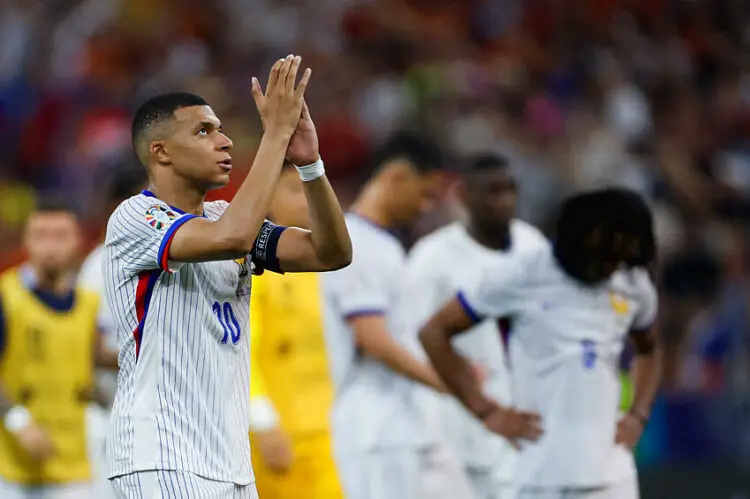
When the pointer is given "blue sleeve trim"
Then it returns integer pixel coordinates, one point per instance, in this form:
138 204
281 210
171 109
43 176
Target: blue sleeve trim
163 258
263 254
365 312
470 312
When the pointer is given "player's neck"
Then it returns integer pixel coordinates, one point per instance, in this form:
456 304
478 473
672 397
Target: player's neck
56 283
179 195
371 206
496 240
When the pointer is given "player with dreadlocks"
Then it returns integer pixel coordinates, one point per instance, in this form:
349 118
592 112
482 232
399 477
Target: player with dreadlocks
571 305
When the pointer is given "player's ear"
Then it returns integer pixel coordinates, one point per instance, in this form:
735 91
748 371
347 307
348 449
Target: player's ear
158 151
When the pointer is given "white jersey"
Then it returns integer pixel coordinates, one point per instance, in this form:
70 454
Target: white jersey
91 277
440 265
183 389
373 405
565 346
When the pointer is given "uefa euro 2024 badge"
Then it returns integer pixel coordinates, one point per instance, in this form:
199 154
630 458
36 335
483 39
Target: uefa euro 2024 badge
159 216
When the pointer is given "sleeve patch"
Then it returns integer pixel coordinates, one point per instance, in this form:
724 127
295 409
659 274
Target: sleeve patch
158 216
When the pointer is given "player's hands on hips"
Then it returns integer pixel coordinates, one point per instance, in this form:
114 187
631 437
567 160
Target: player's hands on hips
275 449
281 106
514 425
35 441
629 431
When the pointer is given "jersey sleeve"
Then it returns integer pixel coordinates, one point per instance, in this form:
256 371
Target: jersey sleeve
647 301
141 231
361 288
497 294
425 286
263 415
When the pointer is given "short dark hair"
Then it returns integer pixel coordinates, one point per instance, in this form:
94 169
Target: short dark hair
420 150
54 203
485 162
159 109
612 211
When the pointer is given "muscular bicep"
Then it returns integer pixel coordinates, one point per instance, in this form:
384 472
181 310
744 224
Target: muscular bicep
200 239
296 252
451 319
645 341
370 331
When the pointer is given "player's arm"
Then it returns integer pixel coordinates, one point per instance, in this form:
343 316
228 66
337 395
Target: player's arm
452 319
103 356
326 246
646 370
374 340
233 235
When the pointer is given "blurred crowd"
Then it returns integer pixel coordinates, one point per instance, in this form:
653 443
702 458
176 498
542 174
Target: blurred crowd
650 94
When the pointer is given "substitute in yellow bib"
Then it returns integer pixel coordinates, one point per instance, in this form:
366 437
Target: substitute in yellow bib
49 340
291 389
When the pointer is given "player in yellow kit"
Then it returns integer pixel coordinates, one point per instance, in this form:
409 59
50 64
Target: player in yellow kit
291 390
48 348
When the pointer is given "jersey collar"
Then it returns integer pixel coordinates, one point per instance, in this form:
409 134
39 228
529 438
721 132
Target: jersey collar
150 194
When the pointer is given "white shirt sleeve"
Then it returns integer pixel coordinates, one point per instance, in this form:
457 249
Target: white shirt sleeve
141 230
498 294
91 276
647 299
362 287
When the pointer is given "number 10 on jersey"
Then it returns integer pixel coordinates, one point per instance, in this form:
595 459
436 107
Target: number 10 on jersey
228 322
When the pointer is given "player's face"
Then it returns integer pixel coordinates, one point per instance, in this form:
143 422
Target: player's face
289 206
52 241
198 149
490 199
414 195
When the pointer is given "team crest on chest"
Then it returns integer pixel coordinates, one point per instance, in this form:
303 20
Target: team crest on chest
619 303
243 275
158 216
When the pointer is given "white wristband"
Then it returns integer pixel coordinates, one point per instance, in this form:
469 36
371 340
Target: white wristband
17 418
311 172
263 416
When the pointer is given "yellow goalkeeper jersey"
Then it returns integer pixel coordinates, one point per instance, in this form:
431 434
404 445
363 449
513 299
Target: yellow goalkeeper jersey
289 361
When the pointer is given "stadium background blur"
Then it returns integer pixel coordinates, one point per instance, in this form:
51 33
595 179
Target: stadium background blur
651 94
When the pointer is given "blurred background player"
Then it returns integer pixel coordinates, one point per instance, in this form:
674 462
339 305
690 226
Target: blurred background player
126 181
291 390
50 346
571 306
382 446
450 259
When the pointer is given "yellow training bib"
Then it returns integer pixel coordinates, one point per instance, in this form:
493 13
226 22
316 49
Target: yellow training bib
47 365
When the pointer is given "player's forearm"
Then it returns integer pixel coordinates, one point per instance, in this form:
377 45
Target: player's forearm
329 234
106 359
399 359
454 370
243 218
646 374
